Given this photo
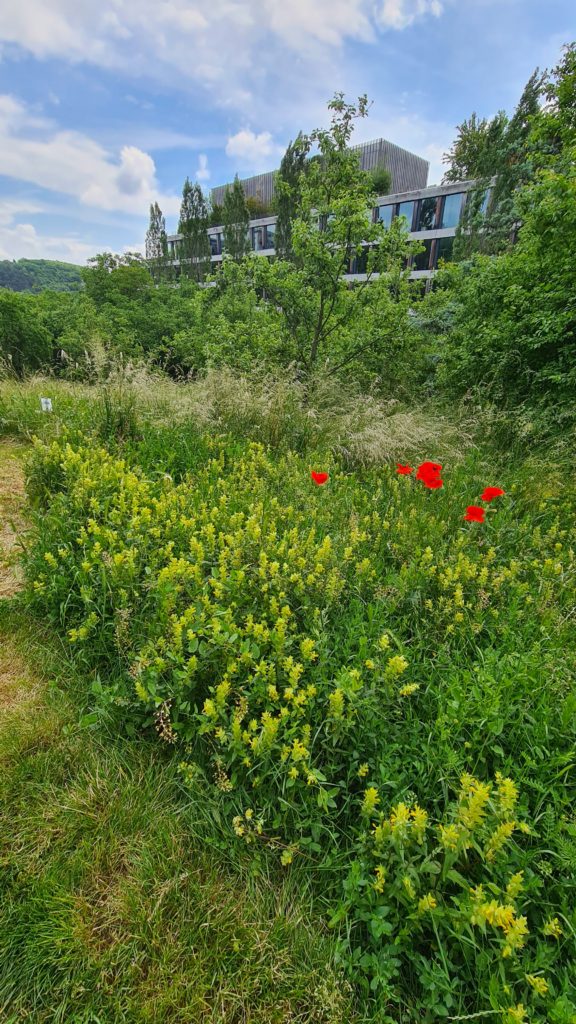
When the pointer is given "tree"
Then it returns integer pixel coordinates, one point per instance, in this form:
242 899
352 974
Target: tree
381 180
194 246
216 215
157 244
257 207
287 194
476 151
24 341
323 317
236 222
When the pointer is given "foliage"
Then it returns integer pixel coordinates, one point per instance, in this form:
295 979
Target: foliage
194 246
329 662
216 215
236 219
288 194
39 275
157 244
257 207
381 180
24 341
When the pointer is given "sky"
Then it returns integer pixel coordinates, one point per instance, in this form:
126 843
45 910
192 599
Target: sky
106 107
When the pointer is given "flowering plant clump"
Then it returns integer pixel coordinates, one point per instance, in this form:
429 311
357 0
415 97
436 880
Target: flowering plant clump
322 663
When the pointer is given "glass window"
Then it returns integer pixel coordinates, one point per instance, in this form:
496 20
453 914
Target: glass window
358 264
422 260
426 218
258 239
485 201
216 244
270 235
407 210
384 215
444 247
451 210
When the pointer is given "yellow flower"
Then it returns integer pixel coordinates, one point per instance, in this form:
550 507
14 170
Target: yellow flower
507 793
400 818
498 839
336 702
378 885
426 903
371 799
552 928
517 1014
363 771
286 858
408 690
450 836
539 984
420 820
514 887
407 883
384 642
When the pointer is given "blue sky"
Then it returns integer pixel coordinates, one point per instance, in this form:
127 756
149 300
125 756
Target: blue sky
106 107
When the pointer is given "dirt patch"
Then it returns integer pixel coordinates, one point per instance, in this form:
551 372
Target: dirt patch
12 522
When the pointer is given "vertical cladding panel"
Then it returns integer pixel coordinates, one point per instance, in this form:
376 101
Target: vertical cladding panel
408 171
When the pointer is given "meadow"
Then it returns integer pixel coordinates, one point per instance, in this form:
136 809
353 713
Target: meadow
334 718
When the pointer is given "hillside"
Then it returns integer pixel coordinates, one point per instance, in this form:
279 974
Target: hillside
39 275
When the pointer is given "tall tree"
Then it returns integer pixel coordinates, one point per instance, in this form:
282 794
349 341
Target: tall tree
194 246
324 318
288 193
236 221
157 245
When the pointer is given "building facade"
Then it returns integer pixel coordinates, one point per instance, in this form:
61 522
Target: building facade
432 214
407 170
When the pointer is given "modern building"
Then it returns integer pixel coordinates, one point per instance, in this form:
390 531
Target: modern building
406 170
432 213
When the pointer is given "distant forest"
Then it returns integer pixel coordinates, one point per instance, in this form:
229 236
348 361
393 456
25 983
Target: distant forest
40 275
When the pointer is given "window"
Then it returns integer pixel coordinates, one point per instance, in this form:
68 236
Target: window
451 210
422 260
485 201
444 247
358 264
407 210
216 244
270 235
384 215
258 239
426 218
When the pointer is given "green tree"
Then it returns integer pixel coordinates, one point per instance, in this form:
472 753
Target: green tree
288 194
381 180
324 318
157 244
194 246
257 207
236 221
216 215
24 340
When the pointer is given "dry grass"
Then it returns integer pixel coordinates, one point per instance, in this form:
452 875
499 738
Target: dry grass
12 523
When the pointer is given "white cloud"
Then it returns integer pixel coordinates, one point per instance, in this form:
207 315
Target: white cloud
234 48
399 14
21 240
203 172
253 149
33 150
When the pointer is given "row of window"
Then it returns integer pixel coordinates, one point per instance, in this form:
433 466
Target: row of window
428 214
435 249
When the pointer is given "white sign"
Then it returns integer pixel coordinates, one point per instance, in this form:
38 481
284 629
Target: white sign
46 404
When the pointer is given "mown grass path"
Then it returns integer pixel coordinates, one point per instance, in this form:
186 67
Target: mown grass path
11 515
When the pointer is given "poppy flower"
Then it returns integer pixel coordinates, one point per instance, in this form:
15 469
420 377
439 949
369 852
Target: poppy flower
491 492
429 474
475 513
403 470
319 478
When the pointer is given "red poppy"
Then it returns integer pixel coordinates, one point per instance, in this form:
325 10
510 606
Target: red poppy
491 492
319 478
429 474
475 513
403 470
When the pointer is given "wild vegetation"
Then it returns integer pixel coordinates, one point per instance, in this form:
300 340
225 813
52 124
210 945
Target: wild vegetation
316 596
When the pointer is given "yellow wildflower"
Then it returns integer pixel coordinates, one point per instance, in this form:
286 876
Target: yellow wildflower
514 887
539 984
371 799
426 903
516 1014
363 771
378 885
552 928
507 793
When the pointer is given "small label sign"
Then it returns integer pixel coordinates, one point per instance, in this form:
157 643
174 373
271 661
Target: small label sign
46 404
